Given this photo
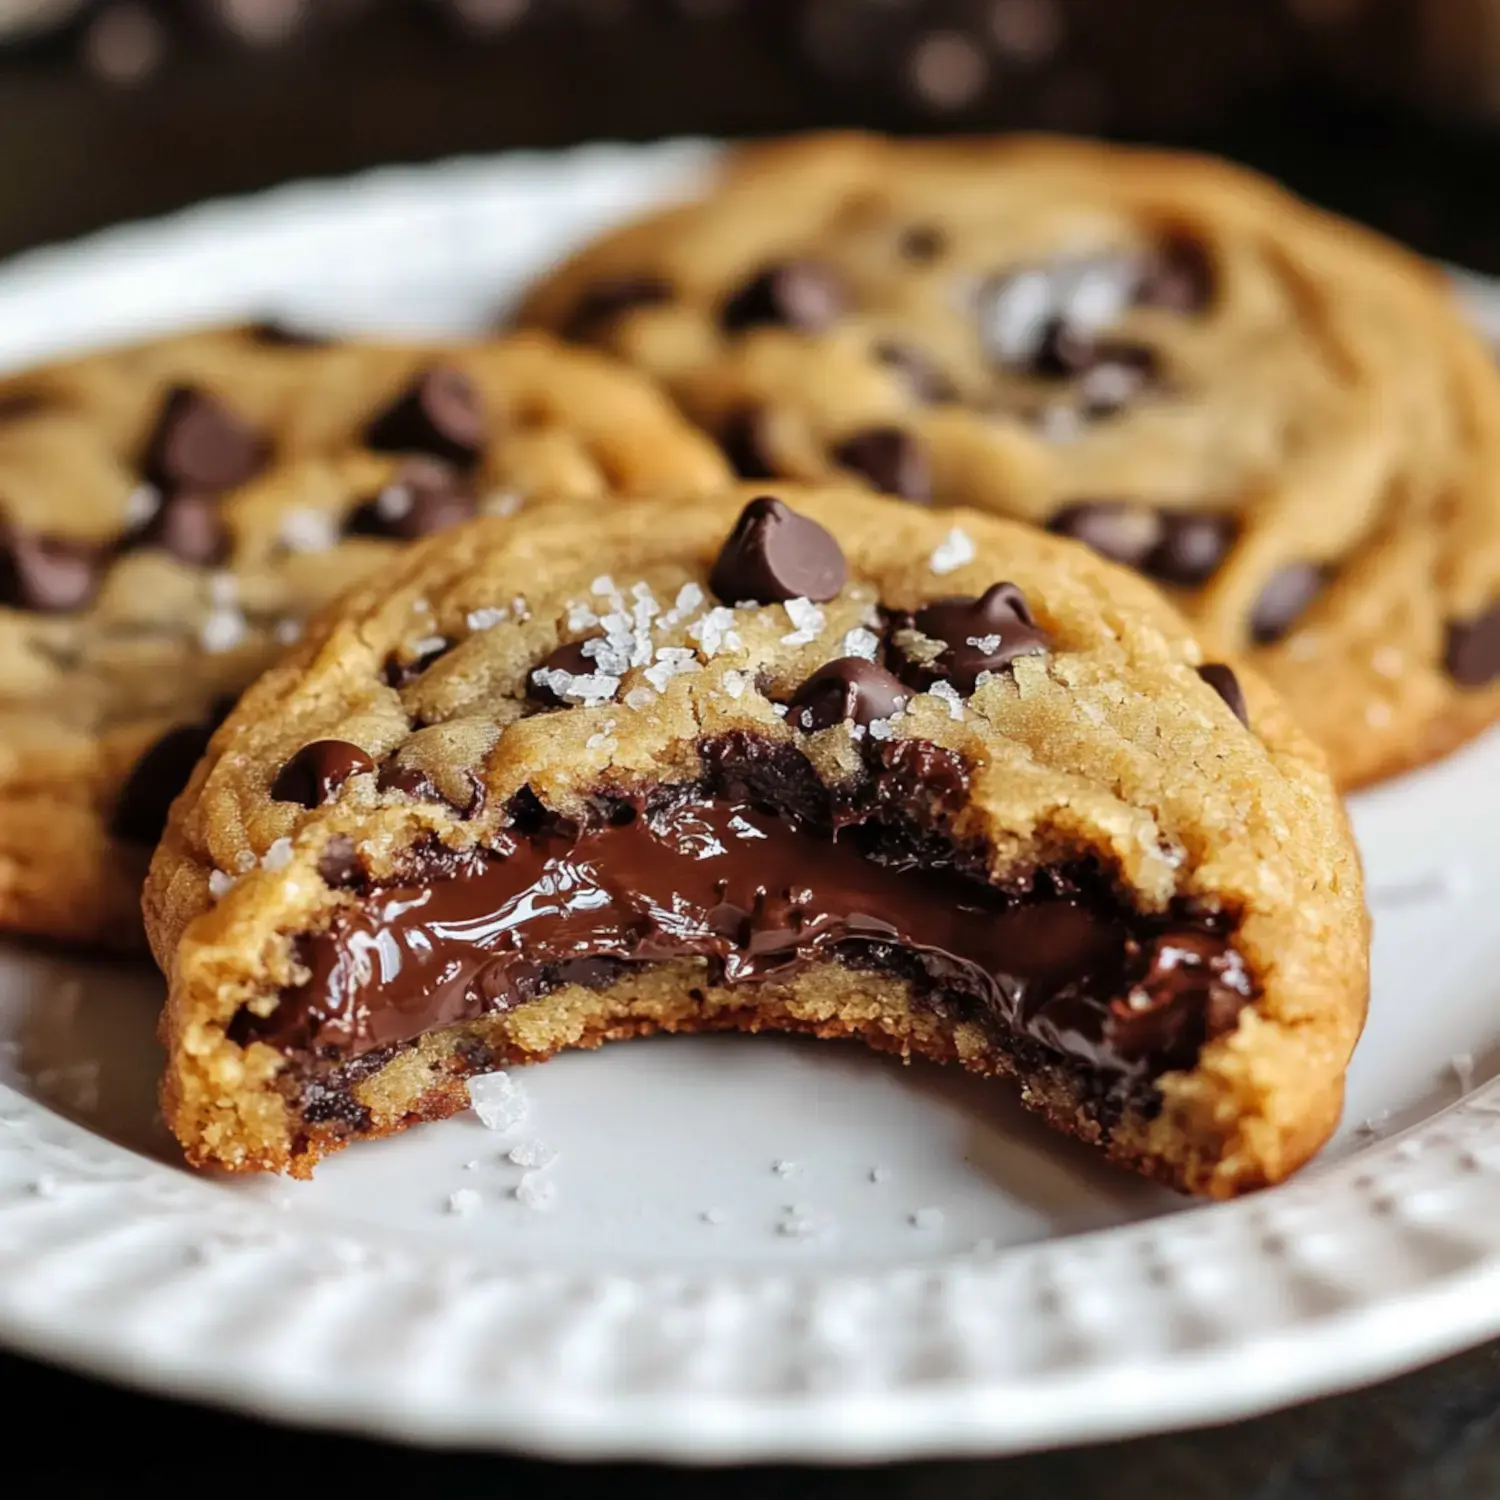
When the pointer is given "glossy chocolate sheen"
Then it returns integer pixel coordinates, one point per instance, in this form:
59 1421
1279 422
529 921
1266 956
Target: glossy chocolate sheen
753 895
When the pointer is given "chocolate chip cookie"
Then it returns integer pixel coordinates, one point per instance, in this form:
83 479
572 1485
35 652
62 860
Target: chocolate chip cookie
170 513
799 760
1276 416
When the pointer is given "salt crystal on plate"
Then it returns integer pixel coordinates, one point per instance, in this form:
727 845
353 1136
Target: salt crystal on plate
535 1191
463 1202
534 1154
498 1100
927 1218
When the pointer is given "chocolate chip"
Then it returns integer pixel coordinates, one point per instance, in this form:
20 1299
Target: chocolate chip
1178 278
922 243
982 634
892 460
411 780
339 863
315 773
424 496
1473 654
1121 530
1223 681
922 380
773 554
46 574
802 294
1193 989
159 777
567 658
399 672
1191 547
746 440
1286 594
438 414
199 444
189 525
275 334
849 690
609 298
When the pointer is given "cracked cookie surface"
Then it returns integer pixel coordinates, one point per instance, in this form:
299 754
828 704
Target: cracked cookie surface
783 758
171 512
1277 416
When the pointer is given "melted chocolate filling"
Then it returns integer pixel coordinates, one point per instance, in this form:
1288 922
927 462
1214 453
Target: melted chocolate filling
715 873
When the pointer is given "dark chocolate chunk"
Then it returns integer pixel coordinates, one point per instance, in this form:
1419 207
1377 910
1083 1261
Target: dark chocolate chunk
609 298
568 658
892 460
773 554
1285 596
276 334
189 524
438 414
315 773
1194 988
982 634
1223 681
401 671
1191 547
159 776
922 379
339 863
1124 531
50 575
1472 657
1179 277
199 444
424 496
802 294
849 690
745 438
921 243
411 780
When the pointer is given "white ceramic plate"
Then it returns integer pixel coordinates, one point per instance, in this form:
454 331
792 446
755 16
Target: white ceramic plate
753 1248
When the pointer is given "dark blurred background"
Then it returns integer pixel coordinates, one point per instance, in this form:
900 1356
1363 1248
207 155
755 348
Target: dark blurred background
1388 109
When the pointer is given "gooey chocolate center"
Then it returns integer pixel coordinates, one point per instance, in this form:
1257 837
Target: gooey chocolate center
757 897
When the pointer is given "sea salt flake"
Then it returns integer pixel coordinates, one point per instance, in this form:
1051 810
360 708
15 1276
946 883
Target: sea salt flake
689 597
499 1101
485 619
141 504
278 856
804 614
394 502
428 644
949 695
735 684
604 586
471 1166
44 1186
715 632
988 644
640 698
223 588
587 688
502 503
861 643
221 630
536 1192
287 632
780 710
533 1154
927 1218
956 549
306 530
581 617
220 884
800 1224
245 861
783 1168
463 1201
882 729
880 1174
1462 1064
